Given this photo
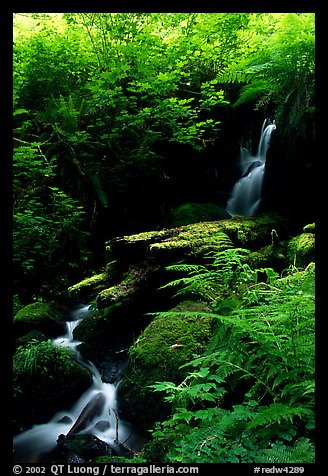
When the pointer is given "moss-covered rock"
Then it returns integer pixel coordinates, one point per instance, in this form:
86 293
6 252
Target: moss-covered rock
271 256
196 212
43 317
88 288
131 283
80 448
109 329
167 343
82 289
46 379
96 327
134 259
31 336
197 239
301 249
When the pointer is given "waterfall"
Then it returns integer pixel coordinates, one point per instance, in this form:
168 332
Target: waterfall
247 192
94 412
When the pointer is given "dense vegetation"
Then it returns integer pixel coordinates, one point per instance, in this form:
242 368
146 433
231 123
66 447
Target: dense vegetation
131 122
120 117
262 353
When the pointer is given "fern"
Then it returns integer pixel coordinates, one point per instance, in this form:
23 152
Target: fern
268 343
301 452
253 91
207 282
277 413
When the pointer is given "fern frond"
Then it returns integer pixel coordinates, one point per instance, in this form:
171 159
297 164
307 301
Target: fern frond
253 91
186 268
302 452
277 413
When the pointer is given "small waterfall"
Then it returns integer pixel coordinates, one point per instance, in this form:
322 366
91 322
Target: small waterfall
94 412
246 194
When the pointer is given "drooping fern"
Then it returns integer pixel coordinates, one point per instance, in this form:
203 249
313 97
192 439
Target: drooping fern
302 451
207 281
268 343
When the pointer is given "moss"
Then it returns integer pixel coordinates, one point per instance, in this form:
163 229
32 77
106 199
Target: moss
43 317
94 326
196 212
27 338
254 232
135 247
271 256
132 282
87 289
113 294
83 447
157 355
310 228
130 255
104 327
46 379
198 238
93 283
191 241
301 249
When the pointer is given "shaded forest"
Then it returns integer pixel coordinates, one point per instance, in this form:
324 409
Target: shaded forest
120 118
152 322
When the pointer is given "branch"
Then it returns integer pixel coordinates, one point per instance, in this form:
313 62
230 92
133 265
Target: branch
122 445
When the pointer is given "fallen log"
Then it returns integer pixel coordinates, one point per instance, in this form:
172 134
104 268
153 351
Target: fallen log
92 408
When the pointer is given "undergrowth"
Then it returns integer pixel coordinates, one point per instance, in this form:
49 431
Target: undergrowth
250 397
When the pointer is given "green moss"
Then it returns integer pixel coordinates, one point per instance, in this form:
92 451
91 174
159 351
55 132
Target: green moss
310 228
168 341
196 212
94 326
33 335
271 256
46 379
83 287
102 326
161 349
199 238
114 294
43 317
301 249
254 232
122 277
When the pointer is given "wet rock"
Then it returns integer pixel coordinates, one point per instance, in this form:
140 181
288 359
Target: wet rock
80 448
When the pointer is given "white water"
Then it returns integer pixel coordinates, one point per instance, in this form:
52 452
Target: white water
31 444
246 193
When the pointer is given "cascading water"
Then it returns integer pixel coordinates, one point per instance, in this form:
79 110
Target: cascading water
246 194
94 413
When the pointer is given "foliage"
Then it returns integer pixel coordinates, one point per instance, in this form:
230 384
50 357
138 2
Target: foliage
250 397
281 71
100 100
39 359
46 220
207 282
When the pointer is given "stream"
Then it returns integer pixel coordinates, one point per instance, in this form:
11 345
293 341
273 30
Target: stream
94 413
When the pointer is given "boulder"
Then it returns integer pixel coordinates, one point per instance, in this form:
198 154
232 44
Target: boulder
301 249
46 379
39 316
166 343
80 448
